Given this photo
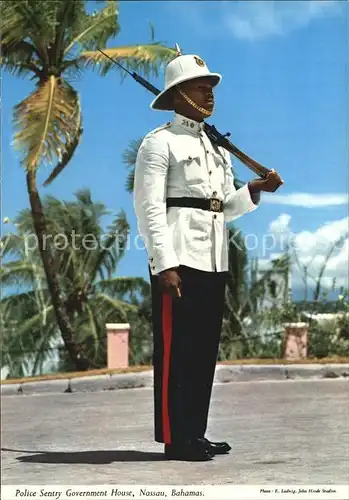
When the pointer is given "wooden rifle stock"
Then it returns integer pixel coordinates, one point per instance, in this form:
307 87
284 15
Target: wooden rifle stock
221 140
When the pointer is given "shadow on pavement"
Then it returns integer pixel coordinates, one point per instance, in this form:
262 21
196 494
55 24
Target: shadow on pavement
86 457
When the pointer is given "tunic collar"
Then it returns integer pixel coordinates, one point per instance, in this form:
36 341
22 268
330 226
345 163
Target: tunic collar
189 125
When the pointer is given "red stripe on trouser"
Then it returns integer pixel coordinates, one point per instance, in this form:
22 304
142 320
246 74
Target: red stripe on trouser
167 337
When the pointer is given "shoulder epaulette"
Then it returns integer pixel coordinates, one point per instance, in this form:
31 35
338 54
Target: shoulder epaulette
162 127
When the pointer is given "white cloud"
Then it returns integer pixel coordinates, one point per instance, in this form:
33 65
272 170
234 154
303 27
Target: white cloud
247 19
307 200
280 231
312 249
252 20
323 238
281 225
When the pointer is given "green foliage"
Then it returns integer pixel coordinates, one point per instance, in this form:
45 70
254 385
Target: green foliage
233 341
85 257
328 340
53 42
251 330
331 338
327 336
129 159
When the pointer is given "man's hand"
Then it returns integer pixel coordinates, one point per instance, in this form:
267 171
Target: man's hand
170 282
269 184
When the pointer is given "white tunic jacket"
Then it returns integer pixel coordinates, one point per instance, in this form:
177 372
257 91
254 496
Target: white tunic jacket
179 160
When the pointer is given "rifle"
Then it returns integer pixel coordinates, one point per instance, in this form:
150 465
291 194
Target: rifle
211 131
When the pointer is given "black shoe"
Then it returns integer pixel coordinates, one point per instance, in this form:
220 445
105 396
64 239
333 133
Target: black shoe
220 448
192 451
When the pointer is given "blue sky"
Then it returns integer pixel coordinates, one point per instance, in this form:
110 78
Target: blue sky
284 98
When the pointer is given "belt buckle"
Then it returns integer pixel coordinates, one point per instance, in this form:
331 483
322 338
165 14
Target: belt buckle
215 205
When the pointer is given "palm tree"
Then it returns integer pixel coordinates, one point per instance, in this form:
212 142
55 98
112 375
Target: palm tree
52 41
85 258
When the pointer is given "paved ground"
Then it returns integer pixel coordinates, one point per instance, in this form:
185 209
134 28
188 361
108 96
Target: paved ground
282 432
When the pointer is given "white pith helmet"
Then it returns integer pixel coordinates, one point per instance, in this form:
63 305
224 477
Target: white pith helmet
182 69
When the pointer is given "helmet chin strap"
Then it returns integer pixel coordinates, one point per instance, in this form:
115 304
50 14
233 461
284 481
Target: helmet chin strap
193 104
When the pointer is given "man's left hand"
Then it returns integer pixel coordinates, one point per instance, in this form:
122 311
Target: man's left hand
269 184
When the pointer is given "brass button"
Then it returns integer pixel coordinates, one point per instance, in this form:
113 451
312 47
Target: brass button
214 193
215 216
210 172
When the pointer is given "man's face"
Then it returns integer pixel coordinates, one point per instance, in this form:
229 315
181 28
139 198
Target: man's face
200 90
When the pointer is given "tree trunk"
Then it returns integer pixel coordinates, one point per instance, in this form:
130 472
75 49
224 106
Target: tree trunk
73 350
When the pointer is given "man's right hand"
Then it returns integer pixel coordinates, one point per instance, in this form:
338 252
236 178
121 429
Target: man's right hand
269 184
170 282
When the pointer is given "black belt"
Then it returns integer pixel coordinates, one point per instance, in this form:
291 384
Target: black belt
211 204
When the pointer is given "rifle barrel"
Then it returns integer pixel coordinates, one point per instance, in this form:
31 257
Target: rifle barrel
213 134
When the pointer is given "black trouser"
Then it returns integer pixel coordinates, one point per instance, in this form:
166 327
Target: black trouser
186 339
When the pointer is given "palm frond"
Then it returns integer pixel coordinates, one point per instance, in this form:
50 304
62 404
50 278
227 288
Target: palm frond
145 59
71 146
40 17
12 244
16 23
113 248
113 307
96 29
47 121
84 199
90 325
68 20
42 351
21 301
28 341
19 59
123 287
24 318
129 156
18 55
29 20
89 333
56 215
36 322
152 31
20 273
130 181
24 224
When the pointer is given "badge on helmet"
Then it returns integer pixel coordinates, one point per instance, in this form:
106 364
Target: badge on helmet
182 68
199 61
